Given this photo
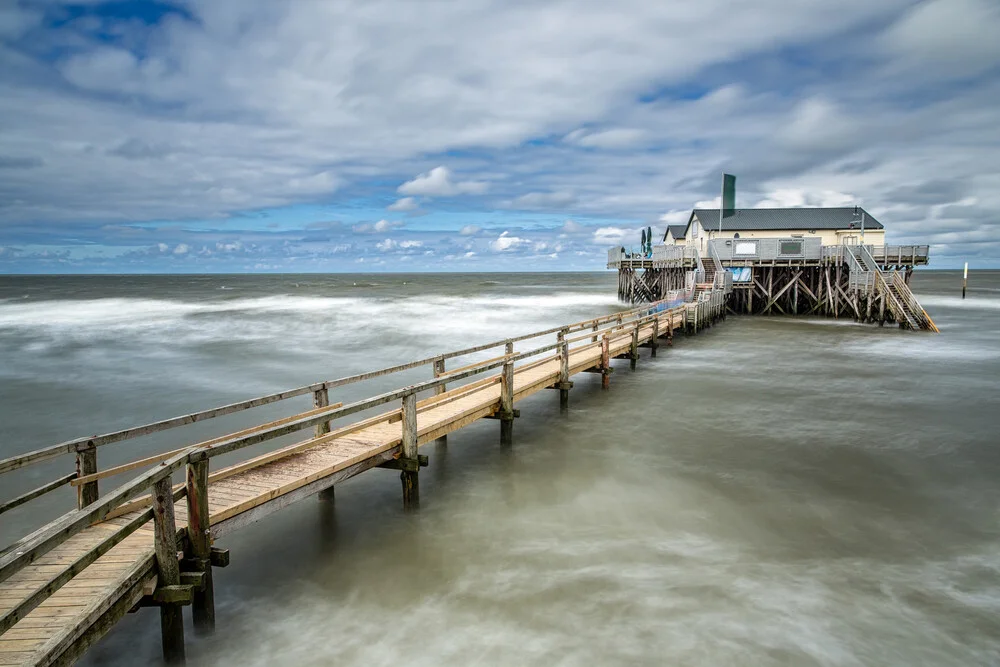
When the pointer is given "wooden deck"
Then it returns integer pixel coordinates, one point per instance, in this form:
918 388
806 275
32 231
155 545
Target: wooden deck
79 612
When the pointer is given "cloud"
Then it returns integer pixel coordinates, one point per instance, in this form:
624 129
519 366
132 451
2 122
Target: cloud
11 162
438 183
947 37
615 138
607 236
469 230
181 249
380 227
404 204
223 112
391 244
506 242
542 200
137 149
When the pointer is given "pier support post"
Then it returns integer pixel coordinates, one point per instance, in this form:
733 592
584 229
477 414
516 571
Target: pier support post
86 464
410 478
439 370
200 538
564 384
634 349
605 362
507 399
654 341
321 399
168 570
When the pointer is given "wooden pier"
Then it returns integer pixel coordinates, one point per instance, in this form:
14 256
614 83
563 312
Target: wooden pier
152 543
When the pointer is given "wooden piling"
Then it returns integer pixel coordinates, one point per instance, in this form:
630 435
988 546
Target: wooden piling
200 541
634 349
507 399
605 362
168 570
564 384
654 341
86 464
410 478
439 370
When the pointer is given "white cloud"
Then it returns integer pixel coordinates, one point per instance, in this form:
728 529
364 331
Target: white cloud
615 138
438 183
947 37
506 242
404 204
181 249
797 197
469 230
380 227
392 244
544 200
612 235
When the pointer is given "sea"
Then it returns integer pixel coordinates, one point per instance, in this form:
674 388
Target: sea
772 491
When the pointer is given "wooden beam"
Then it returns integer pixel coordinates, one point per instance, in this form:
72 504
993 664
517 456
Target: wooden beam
34 493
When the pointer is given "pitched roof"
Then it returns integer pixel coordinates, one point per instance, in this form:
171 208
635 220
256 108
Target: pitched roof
677 231
751 219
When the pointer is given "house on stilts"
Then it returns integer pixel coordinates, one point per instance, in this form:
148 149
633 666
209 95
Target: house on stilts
793 261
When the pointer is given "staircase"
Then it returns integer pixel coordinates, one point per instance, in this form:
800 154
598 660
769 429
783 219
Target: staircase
890 286
902 303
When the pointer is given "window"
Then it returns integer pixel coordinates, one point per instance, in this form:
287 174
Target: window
790 247
745 249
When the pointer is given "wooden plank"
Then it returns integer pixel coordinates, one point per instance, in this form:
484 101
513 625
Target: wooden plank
34 493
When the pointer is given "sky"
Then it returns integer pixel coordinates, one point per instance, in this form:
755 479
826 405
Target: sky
480 135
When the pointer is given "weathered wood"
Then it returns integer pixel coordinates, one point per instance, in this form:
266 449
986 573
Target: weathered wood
28 549
75 568
410 478
605 362
507 399
200 545
86 464
208 444
321 399
167 569
34 493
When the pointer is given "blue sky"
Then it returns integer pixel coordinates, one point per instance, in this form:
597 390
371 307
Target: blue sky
391 135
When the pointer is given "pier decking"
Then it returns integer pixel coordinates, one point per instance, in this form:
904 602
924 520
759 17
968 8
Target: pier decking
151 543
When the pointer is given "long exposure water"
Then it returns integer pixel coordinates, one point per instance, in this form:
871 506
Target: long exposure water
776 491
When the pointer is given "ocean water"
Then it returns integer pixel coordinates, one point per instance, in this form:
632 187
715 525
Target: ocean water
774 491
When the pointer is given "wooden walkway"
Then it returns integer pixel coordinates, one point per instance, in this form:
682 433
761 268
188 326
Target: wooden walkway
67 584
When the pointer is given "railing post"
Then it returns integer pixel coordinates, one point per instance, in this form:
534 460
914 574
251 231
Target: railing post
564 384
605 362
596 327
507 399
200 538
321 399
439 370
653 342
86 464
410 478
168 570
634 349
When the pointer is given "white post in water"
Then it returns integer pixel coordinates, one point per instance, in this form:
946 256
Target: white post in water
965 279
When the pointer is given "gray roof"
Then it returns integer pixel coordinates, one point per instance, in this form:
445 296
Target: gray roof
676 230
751 219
